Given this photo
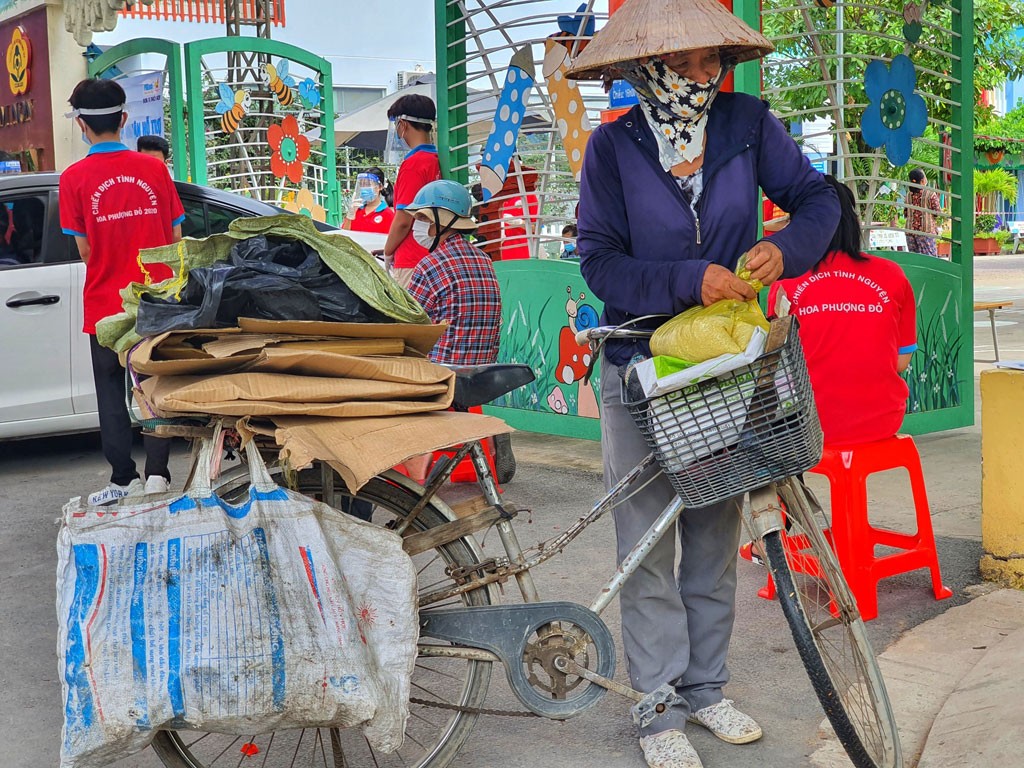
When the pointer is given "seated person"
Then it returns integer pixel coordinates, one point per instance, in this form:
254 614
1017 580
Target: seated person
455 283
858 330
370 212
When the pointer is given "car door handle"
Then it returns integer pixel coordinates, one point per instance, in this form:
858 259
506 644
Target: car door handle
44 300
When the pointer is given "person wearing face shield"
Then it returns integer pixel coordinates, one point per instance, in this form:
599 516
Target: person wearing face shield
368 211
412 120
668 203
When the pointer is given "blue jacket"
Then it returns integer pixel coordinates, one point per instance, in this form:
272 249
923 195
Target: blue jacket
643 252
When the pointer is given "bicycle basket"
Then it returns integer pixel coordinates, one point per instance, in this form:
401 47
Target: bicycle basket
731 434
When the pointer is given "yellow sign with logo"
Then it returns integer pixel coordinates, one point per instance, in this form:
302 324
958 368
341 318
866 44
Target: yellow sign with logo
19 59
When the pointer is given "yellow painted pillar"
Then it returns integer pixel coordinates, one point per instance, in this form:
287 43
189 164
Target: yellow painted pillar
1002 476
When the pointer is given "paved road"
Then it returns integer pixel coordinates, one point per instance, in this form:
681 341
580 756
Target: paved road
39 476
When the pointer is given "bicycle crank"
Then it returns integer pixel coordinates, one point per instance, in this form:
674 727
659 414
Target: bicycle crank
545 647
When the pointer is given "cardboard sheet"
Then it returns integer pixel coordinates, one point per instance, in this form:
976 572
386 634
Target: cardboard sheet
360 448
265 394
419 337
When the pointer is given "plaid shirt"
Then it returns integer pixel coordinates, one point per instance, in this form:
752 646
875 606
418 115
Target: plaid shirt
456 284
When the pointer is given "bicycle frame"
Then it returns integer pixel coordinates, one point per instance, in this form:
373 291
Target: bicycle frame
765 515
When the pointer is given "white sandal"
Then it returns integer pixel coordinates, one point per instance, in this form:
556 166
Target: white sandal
727 723
670 749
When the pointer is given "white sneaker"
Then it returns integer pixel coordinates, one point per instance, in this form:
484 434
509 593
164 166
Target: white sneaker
670 749
115 492
727 723
157 484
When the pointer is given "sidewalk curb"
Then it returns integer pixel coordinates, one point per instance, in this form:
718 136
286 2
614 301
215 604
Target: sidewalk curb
929 667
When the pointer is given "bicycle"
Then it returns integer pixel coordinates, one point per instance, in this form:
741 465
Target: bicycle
759 431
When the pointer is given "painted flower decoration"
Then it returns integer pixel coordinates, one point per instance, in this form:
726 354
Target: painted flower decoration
913 14
895 113
309 93
305 204
290 149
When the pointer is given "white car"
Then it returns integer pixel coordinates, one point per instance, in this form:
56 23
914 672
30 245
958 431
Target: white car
46 383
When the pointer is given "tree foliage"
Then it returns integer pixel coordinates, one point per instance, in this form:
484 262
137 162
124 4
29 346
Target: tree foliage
806 35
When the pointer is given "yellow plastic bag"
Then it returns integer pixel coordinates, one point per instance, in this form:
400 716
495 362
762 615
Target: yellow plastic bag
703 333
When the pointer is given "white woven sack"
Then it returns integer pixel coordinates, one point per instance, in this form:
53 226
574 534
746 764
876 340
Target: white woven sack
188 612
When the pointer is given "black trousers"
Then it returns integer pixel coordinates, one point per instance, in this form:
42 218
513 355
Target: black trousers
116 425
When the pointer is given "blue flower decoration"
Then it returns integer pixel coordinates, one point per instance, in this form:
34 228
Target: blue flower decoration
895 113
580 23
309 93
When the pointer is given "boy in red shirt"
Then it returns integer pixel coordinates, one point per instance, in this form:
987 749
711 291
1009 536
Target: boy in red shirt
858 329
116 202
412 120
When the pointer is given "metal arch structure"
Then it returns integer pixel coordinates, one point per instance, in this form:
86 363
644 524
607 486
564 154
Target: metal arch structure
838 42
475 40
241 159
175 87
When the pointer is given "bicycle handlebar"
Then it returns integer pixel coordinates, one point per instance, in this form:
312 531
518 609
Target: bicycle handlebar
611 332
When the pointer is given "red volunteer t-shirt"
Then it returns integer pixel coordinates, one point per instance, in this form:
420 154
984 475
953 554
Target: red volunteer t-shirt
121 202
514 244
856 318
378 220
419 168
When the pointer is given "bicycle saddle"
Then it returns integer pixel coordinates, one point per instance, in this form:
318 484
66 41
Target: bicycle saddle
479 384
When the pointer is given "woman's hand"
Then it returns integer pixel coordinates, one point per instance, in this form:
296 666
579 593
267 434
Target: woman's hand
719 283
764 261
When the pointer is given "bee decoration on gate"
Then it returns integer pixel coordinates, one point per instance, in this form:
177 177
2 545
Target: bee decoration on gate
233 107
279 81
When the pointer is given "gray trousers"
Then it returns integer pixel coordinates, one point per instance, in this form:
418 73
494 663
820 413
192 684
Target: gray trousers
676 623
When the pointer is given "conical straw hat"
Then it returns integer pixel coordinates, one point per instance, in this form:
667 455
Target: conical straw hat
655 27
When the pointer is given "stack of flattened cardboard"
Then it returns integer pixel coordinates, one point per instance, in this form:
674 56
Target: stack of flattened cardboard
353 394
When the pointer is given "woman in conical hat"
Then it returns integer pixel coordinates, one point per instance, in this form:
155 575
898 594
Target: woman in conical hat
668 203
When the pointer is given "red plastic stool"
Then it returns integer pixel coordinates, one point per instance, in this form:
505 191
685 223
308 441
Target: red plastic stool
854 538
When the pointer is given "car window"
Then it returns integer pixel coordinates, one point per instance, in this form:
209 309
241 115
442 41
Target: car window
194 224
22 227
219 218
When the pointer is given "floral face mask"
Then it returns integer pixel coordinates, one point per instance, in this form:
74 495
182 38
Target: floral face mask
676 108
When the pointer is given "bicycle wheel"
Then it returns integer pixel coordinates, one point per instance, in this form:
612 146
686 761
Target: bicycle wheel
433 734
830 635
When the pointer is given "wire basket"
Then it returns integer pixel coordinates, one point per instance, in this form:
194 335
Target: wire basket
722 437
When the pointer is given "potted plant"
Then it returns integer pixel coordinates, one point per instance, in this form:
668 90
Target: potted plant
993 147
985 242
944 240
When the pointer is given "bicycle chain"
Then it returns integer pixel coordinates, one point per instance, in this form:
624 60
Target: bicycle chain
472 710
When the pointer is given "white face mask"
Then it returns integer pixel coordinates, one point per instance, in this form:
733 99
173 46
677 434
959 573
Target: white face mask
421 233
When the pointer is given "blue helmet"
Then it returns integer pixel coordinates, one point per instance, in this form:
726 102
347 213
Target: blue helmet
445 195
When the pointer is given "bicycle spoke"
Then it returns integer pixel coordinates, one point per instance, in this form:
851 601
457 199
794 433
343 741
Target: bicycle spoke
267 753
223 751
420 665
205 735
298 744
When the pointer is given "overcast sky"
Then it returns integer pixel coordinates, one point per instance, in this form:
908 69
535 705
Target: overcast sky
367 42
